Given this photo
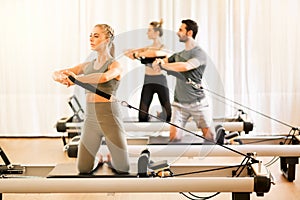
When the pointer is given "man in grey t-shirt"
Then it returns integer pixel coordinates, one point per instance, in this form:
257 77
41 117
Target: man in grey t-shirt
189 100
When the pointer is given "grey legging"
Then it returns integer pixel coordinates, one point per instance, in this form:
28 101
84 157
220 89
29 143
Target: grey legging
102 120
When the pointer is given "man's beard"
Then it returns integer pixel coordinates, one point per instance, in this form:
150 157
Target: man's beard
183 39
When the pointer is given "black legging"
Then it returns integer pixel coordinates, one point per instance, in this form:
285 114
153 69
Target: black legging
155 84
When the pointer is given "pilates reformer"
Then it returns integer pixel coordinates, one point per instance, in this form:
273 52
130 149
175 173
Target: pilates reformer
287 161
72 125
71 147
288 154
241 179
139 132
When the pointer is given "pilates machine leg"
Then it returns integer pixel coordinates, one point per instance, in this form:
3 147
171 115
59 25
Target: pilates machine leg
288 167
240 196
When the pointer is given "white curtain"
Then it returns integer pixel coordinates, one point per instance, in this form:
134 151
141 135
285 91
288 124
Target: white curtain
36 37
253 44
264 67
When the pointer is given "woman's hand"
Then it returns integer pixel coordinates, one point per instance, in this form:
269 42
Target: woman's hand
68 73
60 77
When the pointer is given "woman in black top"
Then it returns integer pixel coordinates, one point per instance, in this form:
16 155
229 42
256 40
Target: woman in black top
154 82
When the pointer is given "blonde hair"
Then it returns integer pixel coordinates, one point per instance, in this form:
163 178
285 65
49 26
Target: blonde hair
109 33
157 26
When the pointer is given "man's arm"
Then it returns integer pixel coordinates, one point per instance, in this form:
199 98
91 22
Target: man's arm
176 66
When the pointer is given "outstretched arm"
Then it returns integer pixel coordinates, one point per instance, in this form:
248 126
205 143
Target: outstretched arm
114 72
133 53
144 53
177 66
61 76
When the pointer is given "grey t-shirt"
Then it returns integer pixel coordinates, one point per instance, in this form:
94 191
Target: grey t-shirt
186 93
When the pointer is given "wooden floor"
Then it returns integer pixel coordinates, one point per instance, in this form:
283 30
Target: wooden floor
50 151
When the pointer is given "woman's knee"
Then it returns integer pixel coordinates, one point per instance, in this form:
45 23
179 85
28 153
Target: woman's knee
84 167
85 161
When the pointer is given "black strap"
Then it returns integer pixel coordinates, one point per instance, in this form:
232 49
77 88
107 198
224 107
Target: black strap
90 88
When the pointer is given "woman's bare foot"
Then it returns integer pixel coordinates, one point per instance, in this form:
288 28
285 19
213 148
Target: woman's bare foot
100 161
108 156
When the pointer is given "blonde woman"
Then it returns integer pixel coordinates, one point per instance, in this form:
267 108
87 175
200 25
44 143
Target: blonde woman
103 117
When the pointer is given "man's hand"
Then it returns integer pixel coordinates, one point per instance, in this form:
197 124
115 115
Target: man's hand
157 65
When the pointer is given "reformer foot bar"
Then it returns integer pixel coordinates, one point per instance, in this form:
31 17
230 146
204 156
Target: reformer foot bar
135 185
